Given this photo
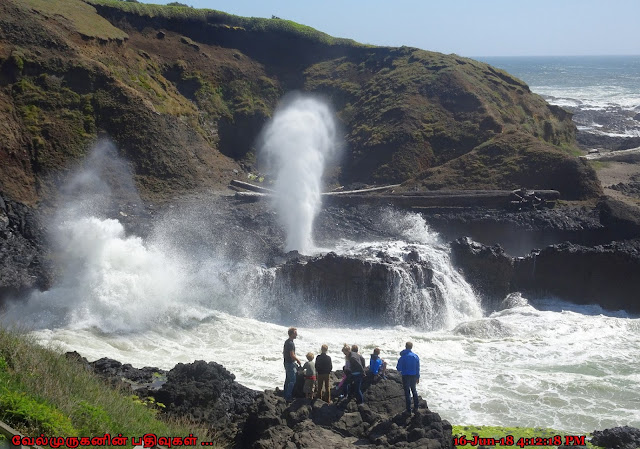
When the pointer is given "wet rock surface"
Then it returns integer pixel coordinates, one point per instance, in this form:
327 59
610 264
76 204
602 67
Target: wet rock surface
222 227
207 393
520 232
21 255
603 274
352 287
624 437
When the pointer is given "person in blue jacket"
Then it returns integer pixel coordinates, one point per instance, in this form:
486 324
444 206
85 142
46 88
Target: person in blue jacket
377 366
409 366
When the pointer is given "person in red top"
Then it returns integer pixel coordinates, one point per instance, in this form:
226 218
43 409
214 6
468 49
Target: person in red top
310 376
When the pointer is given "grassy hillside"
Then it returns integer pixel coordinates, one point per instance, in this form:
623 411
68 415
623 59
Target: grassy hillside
224 20
81 17
185 92
41 391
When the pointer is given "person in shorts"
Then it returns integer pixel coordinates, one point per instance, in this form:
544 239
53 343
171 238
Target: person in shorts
310 377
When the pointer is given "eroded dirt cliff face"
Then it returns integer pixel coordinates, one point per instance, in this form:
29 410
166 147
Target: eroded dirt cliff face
184 94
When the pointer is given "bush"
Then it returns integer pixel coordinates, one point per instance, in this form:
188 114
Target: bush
19 408
41 391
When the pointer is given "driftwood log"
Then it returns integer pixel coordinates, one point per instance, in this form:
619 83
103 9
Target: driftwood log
452 198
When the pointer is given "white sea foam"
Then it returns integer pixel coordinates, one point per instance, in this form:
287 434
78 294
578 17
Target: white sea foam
567 370
563 366
590 97
573 368
158 301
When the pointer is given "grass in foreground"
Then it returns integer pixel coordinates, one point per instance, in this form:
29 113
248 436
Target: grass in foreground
526 433
41 391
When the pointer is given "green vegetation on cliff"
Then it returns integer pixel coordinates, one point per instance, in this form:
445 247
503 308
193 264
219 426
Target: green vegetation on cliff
224 20
41 391
81 16
184 93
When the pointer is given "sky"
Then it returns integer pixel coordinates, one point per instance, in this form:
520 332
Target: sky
471 28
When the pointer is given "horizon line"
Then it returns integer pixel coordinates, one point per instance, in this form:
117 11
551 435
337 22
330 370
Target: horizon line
554 56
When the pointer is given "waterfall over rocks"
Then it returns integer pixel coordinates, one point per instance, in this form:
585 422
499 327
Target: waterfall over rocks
395 282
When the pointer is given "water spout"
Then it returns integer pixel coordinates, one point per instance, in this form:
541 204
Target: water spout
297 143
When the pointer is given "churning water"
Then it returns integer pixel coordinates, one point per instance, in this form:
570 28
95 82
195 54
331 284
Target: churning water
157 301
541 364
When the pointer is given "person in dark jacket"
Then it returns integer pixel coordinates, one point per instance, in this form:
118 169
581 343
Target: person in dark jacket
324 368
290 359
357 364
409 366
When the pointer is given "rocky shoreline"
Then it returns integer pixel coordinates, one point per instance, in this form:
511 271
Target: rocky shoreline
207 393
601 273
601 243
240 417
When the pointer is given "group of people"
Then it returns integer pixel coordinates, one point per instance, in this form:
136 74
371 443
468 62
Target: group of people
317 374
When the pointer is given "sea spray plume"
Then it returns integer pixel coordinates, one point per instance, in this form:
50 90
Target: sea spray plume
105 279
112 280
101 182
297 143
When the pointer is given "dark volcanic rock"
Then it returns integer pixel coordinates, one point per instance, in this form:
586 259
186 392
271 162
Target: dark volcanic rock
520 232
21 266
118 373
352 286
620 218
617 438
631 189
207 393
604 275
379 422
250 419
615 143
487 268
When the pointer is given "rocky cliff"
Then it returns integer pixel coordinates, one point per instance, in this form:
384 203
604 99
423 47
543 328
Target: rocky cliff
602 274
184 93
208 394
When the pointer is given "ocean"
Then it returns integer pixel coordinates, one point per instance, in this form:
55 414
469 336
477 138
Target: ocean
603 92
157 301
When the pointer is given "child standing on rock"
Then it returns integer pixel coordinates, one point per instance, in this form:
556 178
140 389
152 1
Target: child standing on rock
309 376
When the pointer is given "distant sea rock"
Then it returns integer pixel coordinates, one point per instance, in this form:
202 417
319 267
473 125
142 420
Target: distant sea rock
603 274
